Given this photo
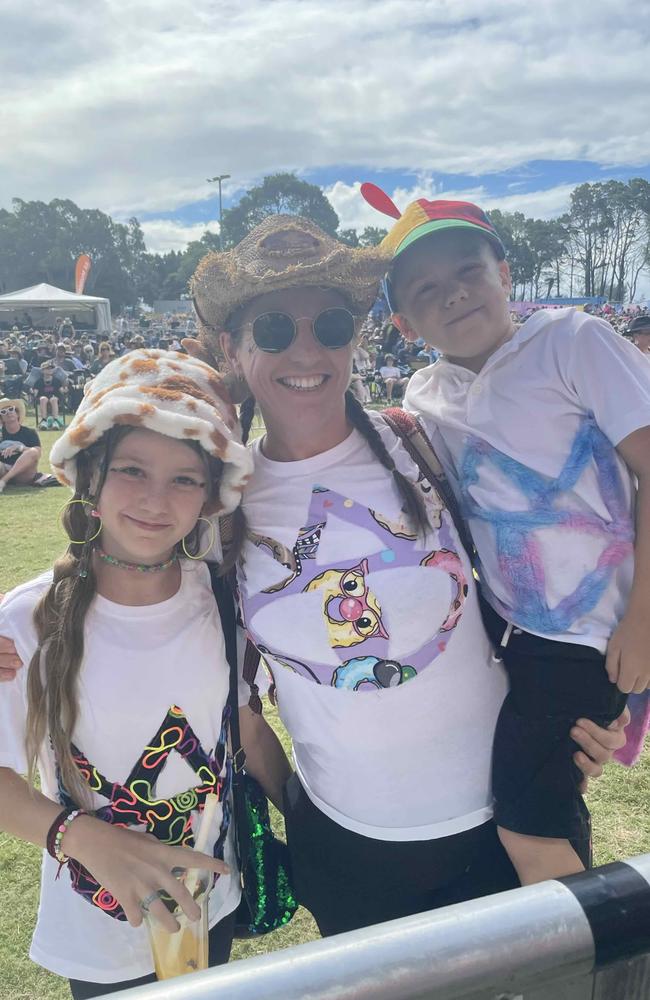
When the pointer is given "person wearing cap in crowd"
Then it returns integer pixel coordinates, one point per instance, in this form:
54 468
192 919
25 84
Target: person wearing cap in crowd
104 357
355 588
392 376
544 433
20 448
153 453
16 354
63 358
66 329
49 389
639 333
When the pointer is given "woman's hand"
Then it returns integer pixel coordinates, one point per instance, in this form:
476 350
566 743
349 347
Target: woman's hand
10 662
598 744
134 865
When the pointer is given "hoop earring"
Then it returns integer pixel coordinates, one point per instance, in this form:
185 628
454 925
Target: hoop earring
213 535
93 514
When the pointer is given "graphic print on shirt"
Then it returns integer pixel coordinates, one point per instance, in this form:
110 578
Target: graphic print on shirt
351 612
135 803
518 549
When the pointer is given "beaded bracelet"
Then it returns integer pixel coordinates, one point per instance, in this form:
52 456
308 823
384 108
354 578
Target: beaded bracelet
56 834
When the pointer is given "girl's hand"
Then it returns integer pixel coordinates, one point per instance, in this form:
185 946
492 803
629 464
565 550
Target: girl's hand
598 744
133 865
10 662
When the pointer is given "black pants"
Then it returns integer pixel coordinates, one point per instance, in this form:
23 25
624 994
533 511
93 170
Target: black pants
219 945
349 881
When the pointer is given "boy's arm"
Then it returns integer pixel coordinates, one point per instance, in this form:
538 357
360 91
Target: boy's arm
628 652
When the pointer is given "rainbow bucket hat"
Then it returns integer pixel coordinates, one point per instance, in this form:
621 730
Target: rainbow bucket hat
421 218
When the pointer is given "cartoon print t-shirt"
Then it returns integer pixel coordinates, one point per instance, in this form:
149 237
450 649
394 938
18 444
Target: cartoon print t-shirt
384 676
151 737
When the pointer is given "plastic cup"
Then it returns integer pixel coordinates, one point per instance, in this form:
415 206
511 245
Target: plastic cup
185 950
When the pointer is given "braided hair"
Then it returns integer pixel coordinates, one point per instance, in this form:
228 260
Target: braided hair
360 420
246 414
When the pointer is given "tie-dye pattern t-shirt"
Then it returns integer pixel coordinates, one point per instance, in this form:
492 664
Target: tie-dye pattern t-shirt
384 675
529 445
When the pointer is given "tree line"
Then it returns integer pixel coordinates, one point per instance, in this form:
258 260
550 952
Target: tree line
601 246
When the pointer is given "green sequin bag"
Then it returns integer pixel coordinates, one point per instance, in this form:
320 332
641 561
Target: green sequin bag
268 900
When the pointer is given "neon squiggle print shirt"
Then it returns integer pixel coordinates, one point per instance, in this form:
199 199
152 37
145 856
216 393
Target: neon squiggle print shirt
150 736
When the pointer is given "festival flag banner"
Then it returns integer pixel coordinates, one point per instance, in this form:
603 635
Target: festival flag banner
81 272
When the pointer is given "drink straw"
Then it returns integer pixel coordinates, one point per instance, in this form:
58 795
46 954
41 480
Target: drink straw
200 844
201 841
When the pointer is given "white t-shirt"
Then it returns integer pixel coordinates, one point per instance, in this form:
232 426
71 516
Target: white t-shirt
384 675
390 371
139 663
529 446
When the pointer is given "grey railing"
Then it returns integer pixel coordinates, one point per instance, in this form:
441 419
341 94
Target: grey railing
582 938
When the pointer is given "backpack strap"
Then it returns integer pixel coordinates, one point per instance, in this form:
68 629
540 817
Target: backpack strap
251 653
414 438
226 605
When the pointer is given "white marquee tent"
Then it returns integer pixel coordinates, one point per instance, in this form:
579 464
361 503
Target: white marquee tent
45 302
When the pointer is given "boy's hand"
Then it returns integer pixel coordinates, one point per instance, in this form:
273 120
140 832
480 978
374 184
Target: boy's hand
628 654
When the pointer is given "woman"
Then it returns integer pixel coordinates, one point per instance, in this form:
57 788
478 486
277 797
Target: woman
104 358
355 588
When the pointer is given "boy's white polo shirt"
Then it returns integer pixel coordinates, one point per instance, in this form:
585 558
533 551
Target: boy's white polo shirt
529 447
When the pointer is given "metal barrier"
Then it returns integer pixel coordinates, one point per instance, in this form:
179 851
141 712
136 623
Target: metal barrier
586 937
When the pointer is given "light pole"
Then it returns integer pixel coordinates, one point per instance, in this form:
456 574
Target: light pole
218 180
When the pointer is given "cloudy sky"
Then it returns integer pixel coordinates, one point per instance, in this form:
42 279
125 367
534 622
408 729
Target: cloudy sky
129 105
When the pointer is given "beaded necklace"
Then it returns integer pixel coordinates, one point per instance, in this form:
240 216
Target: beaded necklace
138 567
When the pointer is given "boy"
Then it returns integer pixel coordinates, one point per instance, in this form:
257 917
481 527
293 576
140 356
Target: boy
542 431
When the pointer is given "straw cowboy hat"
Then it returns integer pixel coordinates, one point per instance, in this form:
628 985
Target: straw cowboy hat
284 251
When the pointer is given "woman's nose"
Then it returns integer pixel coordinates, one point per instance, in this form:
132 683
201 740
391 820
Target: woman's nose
305 345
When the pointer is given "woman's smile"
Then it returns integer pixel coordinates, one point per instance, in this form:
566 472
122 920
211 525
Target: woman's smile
303 383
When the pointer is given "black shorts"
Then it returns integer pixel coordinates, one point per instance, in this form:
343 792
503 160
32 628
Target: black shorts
535 782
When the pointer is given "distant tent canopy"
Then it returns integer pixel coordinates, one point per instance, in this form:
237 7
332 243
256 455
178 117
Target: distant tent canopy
43 303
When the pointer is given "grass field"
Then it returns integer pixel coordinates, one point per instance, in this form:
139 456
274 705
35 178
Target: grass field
30 538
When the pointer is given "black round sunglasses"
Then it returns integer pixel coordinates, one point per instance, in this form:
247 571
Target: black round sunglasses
274 332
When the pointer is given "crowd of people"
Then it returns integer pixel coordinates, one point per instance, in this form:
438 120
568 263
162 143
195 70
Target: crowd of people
47 371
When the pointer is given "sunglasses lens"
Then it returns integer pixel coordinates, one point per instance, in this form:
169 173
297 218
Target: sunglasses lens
334 328
273 332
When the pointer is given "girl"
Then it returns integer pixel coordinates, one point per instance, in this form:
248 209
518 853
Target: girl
122 708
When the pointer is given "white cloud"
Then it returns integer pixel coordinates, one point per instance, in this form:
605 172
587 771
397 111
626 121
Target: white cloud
128 105
356 214
162 235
